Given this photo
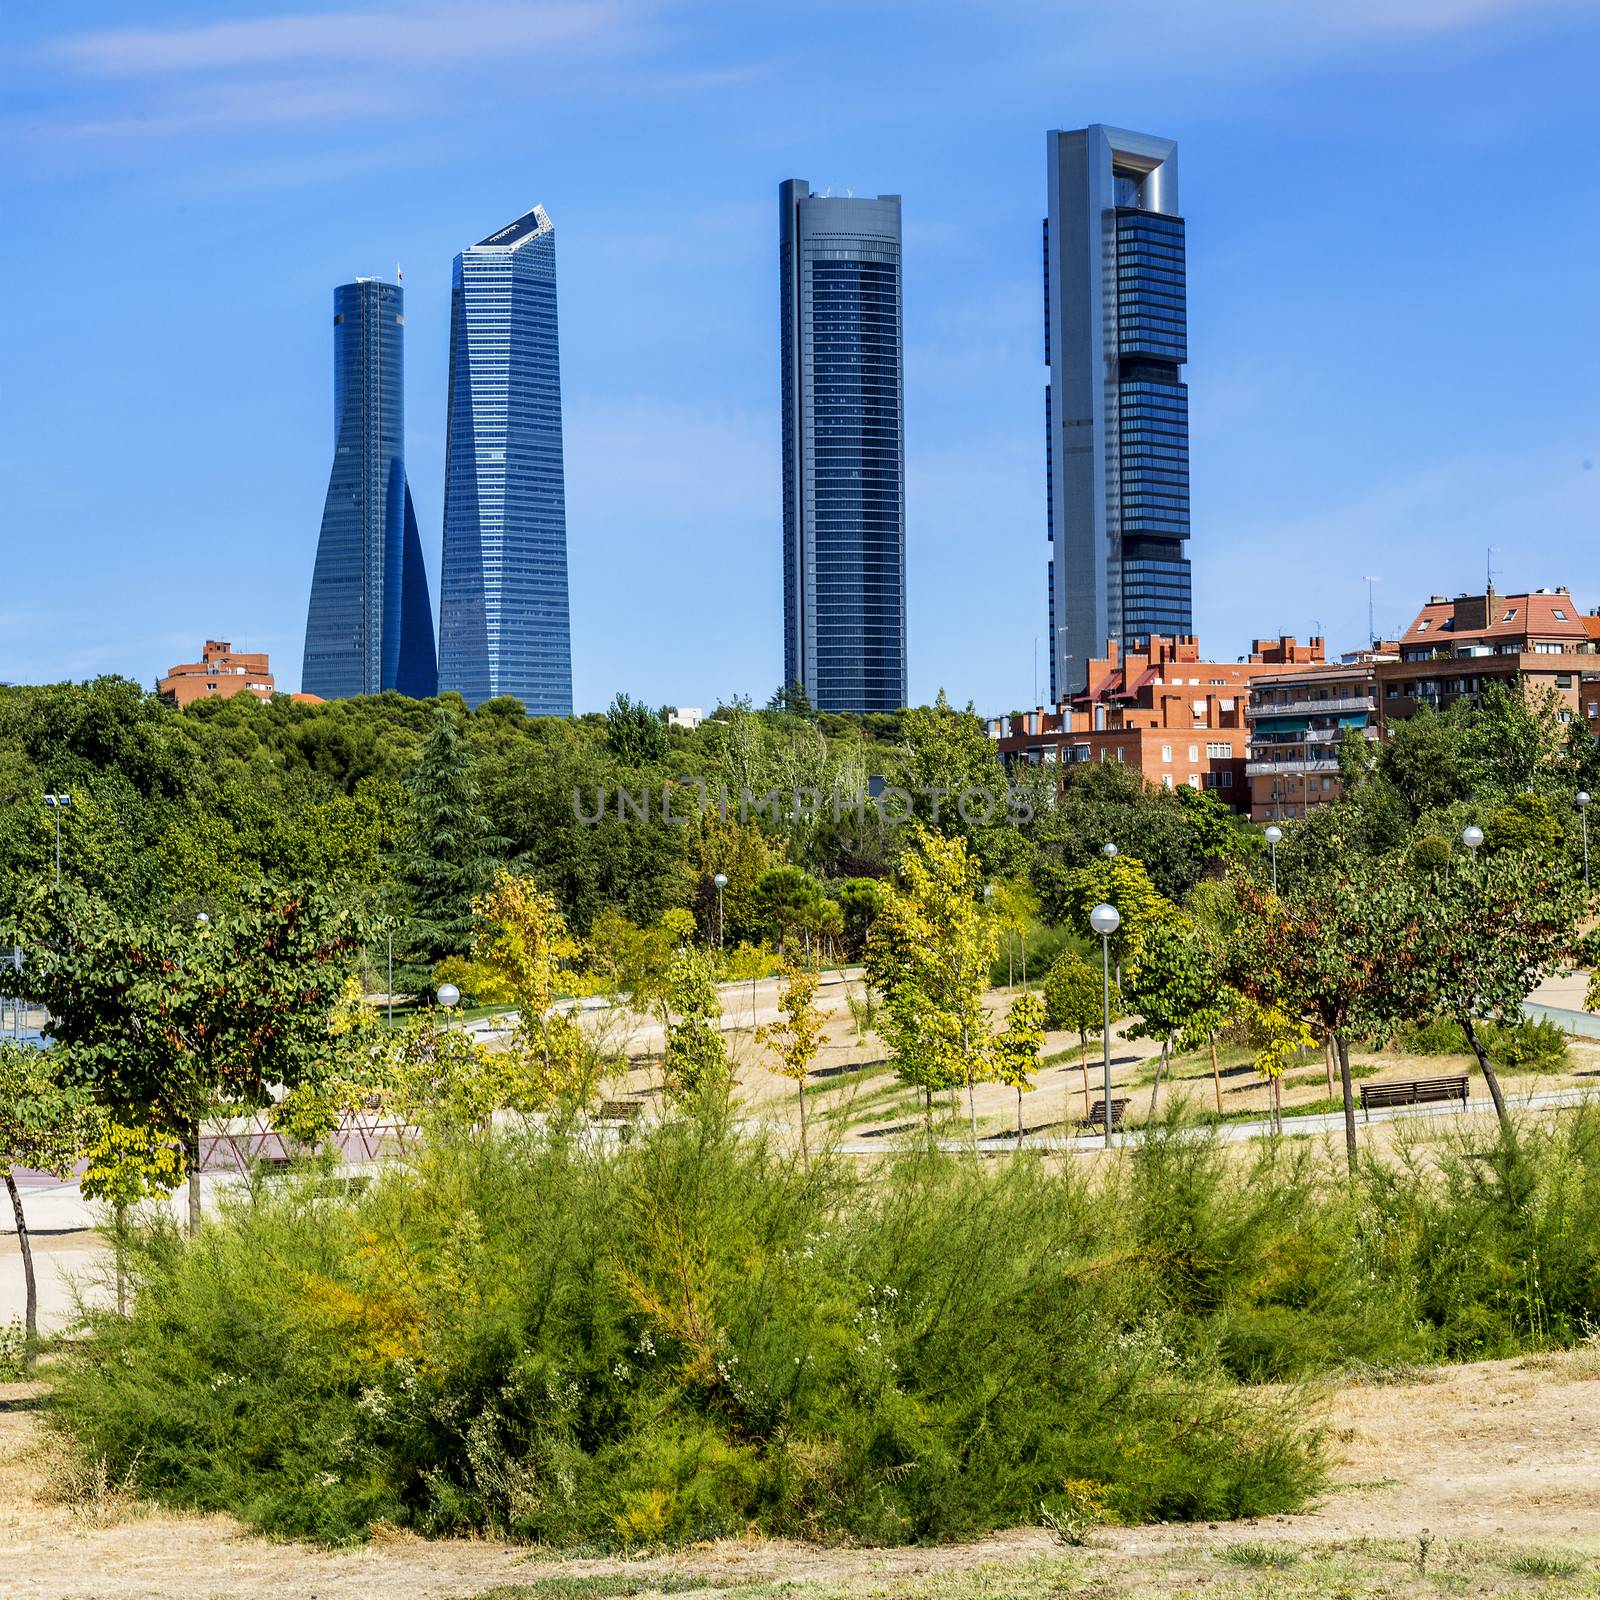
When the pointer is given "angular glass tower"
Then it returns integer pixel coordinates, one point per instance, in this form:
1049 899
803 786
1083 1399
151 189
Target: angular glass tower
1116 409
369 626
503 620
844 521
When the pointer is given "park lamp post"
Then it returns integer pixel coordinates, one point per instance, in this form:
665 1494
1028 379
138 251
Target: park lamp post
1472 838
1105 920
1274 834
57 804
721 881
449 998
1109 851
1582 798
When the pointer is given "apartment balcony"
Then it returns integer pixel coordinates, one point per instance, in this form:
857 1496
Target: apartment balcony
1295 768
1310 708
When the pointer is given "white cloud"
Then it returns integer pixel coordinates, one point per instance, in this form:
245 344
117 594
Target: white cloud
420 35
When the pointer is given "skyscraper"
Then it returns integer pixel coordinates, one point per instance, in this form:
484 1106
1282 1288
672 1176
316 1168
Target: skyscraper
1116 410
369 626
503 621
844 519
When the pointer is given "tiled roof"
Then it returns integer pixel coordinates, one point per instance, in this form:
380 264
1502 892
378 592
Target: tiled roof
1514 616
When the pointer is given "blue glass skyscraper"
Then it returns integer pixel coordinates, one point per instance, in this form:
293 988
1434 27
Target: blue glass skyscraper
844 525
369 626
503 618
1116 409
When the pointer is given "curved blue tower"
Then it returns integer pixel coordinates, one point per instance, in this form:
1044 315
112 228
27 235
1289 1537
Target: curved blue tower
369 626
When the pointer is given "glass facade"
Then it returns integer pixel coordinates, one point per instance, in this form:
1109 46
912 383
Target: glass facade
843 449
504 626
1116 407
369 626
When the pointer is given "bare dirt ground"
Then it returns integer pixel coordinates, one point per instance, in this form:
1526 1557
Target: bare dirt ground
1492 1460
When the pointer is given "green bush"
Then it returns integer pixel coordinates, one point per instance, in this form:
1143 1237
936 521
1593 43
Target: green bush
695 1333
688 1336
1529 1045
1044 944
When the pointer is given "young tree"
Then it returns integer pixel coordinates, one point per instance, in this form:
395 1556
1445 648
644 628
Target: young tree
123 1166
1123 883
1015 1052
1323 954
165 1025
44 1123
1273 1036
1474 938
1015 906
696 1057
798 1037
521 944
637 735
1074 1000
789 901
1174 988
929 957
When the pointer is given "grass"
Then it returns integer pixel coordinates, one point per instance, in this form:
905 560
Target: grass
1349 1570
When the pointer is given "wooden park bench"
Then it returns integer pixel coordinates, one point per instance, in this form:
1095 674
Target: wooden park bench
1097 1115
1419 1091
621 1110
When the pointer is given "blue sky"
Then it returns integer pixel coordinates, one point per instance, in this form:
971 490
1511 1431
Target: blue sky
1394 230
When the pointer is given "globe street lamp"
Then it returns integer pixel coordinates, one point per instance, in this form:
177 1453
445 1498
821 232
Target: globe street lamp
1109 851
1582 798
1472 837
721 881
57 804
1105 920
449 997
1274 834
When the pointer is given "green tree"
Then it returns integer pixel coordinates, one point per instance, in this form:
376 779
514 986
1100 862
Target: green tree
1175 988
450 847
860 900
1123 883
44 1124
166 1025
1015 1052
796 1040
1474 938
1526 822
696 1056
789 901
928 956
1074 999
1324 955
637 735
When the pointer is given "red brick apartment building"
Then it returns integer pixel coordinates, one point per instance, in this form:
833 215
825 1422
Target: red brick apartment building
1160 709
1455 648
219 674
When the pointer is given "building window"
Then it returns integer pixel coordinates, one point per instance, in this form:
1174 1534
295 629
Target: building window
1510 616
1227 777
1558 613
1194 780
1422 627
1219 752
1166 779
1392 692
1194 752
1166 755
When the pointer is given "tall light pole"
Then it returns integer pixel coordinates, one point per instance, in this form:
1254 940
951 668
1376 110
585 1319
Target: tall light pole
721 881
57 804
1472 838
1582 798
1105 920
388 934
1274 834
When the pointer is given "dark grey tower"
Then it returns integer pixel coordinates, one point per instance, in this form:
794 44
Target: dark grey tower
1116 410
369 626
844 523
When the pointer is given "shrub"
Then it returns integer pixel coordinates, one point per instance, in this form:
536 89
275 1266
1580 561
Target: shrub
1538 1046
688 1336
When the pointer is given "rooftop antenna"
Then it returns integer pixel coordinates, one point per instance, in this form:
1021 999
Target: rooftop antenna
1369 579
1488 568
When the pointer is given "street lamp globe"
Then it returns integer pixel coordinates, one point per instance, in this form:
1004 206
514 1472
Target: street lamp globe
1108 851
202 920
1472 837
1274 834
721 880
449 996
1105 920
1582 798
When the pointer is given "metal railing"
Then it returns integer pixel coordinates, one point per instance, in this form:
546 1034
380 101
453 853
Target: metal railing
1297 708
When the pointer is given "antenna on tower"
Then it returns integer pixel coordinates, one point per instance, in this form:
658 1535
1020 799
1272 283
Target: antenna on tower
1488 568
1369 579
